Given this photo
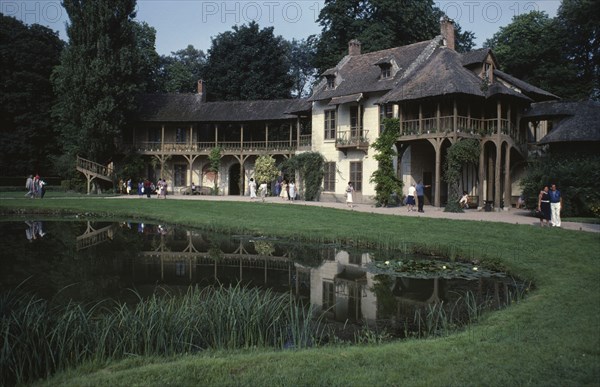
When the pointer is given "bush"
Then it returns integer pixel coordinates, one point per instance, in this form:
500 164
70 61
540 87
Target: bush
577 177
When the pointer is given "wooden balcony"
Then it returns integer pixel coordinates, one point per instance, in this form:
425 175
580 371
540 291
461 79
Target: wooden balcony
352 140
227 147
465 125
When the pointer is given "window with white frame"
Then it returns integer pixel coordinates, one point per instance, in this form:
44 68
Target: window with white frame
385 111
330 124
329 177
356 168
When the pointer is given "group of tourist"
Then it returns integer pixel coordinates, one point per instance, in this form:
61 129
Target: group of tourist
549 206
285 190
416 196
148 188
36 187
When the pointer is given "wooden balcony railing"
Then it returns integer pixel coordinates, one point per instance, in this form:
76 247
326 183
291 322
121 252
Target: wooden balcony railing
226 146
445 124
352 139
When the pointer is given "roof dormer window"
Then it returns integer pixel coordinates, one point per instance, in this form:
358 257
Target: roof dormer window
330 81
388 67
488 71
386 70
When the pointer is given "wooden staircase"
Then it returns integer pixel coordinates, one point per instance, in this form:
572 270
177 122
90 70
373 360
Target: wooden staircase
93 170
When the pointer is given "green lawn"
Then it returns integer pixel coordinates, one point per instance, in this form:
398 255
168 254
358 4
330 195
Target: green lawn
550 338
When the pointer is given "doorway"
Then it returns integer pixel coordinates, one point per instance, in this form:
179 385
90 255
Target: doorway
234 179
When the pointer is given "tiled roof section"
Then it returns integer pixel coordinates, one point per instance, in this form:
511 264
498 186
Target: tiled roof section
190 108
442 74
360 74
531 91
572 121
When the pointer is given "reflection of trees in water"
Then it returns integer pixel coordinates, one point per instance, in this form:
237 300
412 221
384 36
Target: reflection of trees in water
53 266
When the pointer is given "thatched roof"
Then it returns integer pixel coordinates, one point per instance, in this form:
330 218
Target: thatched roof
477 57
174 107
424 70
442 74
529 90
361 74
572 121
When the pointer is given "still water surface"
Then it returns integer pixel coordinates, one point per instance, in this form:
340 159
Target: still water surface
91 261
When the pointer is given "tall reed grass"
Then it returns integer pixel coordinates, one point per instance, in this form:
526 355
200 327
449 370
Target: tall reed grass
39 338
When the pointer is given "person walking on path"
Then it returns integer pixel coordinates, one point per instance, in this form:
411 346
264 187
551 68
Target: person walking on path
349 192
410 198
544 207
252 188
555 205
292 188
284 190
29 186
420 188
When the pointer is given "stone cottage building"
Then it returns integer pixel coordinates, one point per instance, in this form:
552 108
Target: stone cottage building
440 96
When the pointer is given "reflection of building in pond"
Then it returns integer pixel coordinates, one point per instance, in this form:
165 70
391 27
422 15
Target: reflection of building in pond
92 237
341 285
189 257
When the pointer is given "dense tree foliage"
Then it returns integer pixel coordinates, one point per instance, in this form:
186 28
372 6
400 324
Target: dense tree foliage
97 78
377 24
561 55
309 165
27 56
460 155
385 179
302 56
576 175
579 24
248 64
149 60
265 169
181 71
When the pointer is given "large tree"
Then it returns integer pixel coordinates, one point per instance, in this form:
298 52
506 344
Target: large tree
97 78
377 24
248 64
181 71
561 55
302 70
27 56
529 49
149 60
578 22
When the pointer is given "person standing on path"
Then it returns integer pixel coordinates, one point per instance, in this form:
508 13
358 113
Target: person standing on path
252 187
544 206
410 198
349 191
292 189
420 188
555 205
29 186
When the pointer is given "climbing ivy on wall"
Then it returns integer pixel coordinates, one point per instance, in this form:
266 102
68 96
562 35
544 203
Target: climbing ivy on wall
459 155
385 179
214 160
310 166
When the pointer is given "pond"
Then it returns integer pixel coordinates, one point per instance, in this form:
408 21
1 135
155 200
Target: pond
88 261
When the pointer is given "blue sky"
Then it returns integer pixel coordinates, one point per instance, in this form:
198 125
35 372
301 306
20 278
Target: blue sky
179 23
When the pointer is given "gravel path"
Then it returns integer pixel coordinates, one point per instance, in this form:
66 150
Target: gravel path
513 216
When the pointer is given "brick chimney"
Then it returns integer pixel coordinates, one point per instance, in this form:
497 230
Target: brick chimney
201 90
353 47
447 32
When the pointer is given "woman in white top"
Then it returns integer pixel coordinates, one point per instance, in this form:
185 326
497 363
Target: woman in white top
349 191
410 199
